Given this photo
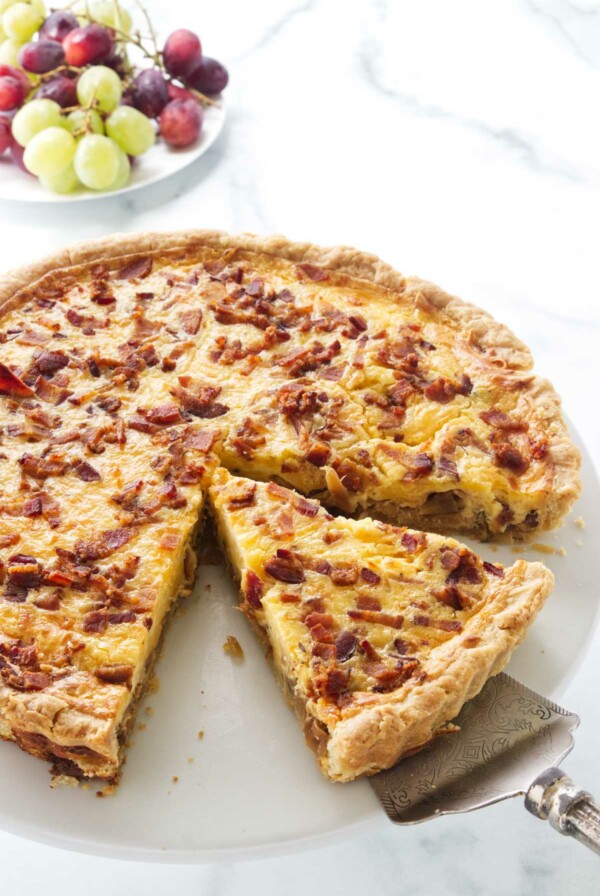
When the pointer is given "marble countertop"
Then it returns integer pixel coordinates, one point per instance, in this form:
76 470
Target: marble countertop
459 141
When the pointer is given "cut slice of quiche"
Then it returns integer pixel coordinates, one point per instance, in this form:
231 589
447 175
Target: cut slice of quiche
378 634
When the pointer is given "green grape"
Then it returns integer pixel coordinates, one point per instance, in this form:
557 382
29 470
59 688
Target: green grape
99 85
123 172
64 182
39 6
84 121
4 5
9 52
21 21
97 161
131 130
49 152
34 117
111 14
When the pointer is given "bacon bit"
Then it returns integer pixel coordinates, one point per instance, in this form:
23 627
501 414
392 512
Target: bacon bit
494 569
345 646
191 321
388 679
11 384
104 545
48 363
109 403
143 326
322 567
138 423
288 598
255 288
367 602
506 455
331 683
47 391
449 625
58 577
497 418
420 464
451 597
304 360
121 618
25 681
369 651
306 508
24 571
443 390
242 495
253 588
86 472
323 650
414 542
284 522
450 558
344 575
447 467
288 571
139 269
95 622
48 601
33 507
164 415
462 565
7 541
317 454
332 535
85 321
170 541
248 437
201 401
539 449
115 673
200 439
311 272
377 618
370 576
33 337
421 619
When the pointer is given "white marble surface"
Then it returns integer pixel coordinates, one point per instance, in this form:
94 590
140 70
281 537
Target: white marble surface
460 141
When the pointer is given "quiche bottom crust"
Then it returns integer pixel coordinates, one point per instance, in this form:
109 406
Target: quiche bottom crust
378 737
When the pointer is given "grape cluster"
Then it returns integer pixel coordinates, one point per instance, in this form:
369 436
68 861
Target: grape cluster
75 111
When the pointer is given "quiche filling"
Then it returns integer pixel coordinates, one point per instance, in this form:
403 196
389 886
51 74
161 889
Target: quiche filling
131 369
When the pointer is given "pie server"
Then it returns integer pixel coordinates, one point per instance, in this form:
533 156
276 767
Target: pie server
509 744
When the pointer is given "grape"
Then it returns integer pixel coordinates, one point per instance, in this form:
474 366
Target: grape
33 118
178 93
180 122
49 152
131 130
64 182
115 61
18 73
208 76
97 161
151 94
17 153
41 56
111 14
21 21
181 51
11 93
122 173
84 121
58 25
9 52
101 85
60 89
87 45
5 133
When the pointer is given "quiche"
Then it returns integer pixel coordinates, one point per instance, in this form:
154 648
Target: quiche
131 368
379 634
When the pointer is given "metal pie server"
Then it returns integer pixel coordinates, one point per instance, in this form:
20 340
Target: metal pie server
509 744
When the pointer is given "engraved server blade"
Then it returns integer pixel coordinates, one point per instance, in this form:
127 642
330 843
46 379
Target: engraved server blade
509 742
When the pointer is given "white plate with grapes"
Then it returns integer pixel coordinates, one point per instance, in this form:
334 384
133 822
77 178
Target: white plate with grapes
90 105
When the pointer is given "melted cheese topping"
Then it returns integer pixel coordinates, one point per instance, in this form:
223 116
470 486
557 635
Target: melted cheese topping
122 383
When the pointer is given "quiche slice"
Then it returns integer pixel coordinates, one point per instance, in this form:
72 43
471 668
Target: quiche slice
378 634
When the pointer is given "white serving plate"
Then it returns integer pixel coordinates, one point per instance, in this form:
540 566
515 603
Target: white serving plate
157 164
250 786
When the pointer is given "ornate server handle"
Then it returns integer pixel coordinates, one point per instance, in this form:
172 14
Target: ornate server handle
553 797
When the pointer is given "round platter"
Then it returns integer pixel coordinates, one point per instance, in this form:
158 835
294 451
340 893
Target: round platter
157 164
217 768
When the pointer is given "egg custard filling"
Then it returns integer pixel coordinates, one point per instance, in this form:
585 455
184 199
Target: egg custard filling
133 367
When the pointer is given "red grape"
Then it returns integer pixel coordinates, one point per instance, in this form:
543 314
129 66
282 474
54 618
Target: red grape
151 94
61 89
208 76
115 61
41 56
17 73
180 122
5 133
182 51
16 152
87 45
58 25
178 93
11 93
